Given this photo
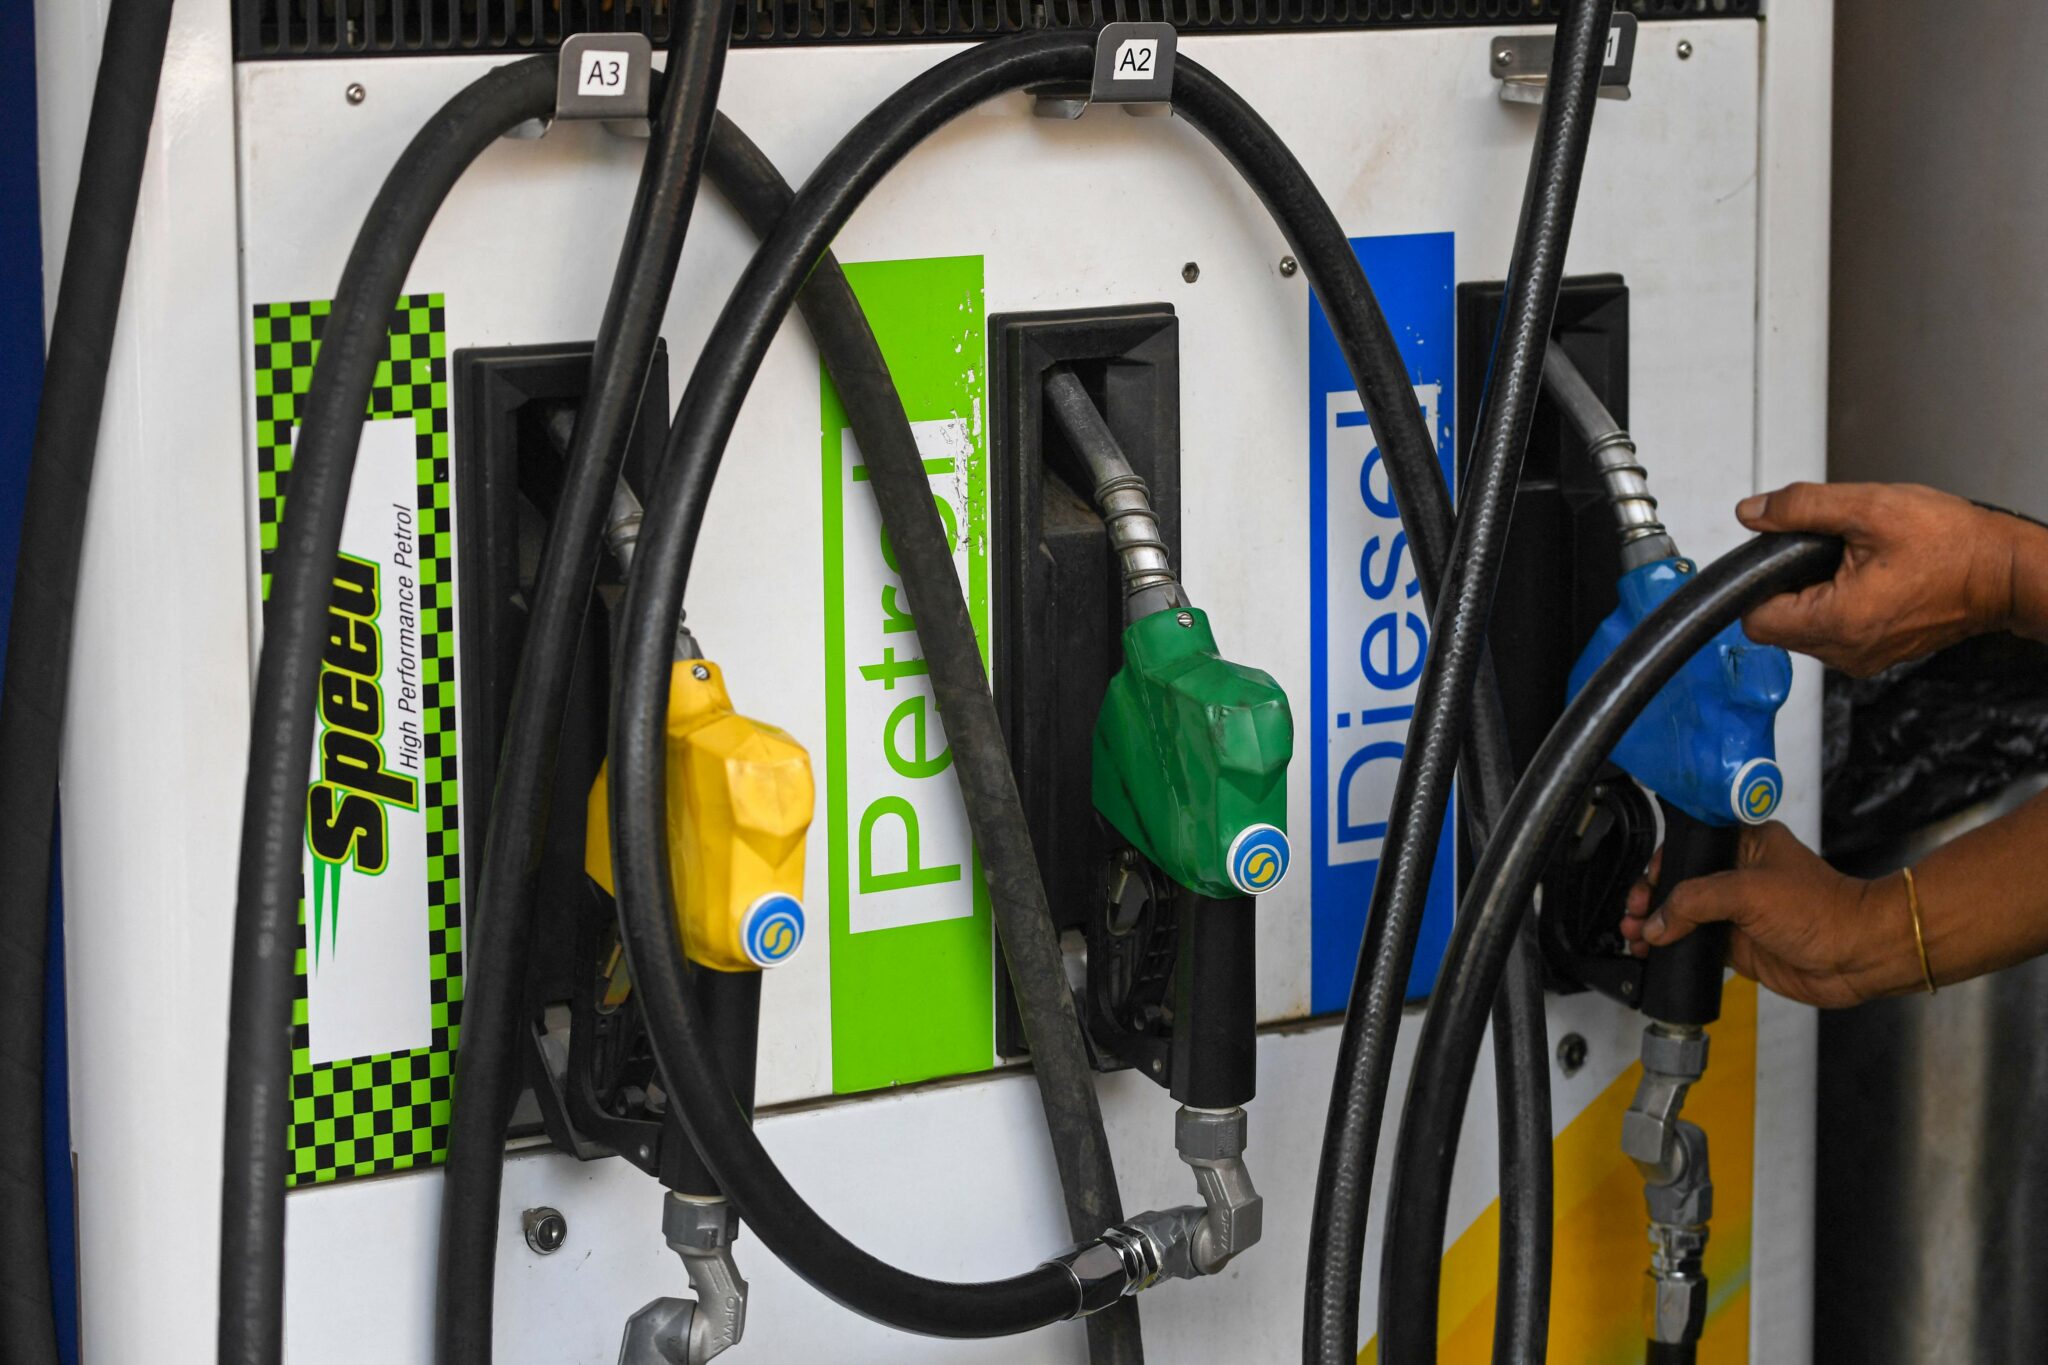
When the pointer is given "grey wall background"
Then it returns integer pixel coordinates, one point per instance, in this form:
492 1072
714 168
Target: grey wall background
1939 370
1932 1191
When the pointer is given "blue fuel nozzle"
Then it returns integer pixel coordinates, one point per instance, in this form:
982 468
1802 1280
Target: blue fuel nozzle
1705 744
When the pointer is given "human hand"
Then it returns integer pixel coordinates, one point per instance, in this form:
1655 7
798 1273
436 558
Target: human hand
1922 569
1800 927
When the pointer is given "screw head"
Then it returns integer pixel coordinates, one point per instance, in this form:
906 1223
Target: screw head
700 673
1288 265
1191 272
546 1229
356 93
1685 49
1503 57
1571 1053
1186 619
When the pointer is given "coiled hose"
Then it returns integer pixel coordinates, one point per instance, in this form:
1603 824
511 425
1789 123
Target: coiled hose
945 631
730 1148
1544 802
39 636
775 1210
499 925
253 1164
1458 633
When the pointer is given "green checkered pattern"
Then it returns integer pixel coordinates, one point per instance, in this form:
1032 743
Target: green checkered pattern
388 1112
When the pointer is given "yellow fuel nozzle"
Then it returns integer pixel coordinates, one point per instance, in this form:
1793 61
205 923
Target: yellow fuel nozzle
739 804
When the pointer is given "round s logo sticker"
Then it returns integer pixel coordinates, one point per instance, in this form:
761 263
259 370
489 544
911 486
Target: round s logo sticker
1758 788
773 929
1257 859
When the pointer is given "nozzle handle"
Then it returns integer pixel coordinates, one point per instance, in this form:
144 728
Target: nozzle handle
731 1004
1215 1005
1682 982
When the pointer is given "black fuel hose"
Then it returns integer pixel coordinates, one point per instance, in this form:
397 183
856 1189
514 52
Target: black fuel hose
254 1166
776 1211
733 352
498 927
38 661
1489 917
1521 1093
750 182
1458 633
1374 359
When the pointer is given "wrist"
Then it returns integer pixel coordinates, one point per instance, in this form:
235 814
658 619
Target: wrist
1992 580
2026 592
1885 957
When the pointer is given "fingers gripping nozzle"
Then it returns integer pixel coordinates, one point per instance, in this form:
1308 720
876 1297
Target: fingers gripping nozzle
740 796
1191 756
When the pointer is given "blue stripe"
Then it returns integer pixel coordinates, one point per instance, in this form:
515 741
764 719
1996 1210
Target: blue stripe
21 382
1366 651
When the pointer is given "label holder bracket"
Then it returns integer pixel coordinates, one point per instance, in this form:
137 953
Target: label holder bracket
1133 70
1521 62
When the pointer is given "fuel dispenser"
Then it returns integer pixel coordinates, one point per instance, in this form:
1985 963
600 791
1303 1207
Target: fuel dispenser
642 905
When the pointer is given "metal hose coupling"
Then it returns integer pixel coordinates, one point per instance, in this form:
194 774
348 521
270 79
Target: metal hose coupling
1122 498
622 537
622 525
1678 1187
1149 581
622 521
687 1331
1179 1243
1643 537
1130 1258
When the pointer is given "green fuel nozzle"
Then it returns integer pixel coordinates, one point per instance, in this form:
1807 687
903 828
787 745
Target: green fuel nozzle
1191 756
1191 750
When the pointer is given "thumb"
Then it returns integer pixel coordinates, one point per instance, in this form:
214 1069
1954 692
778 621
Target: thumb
1698 901
1833 507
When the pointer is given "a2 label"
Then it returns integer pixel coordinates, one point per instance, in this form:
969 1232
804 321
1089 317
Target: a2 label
1137 59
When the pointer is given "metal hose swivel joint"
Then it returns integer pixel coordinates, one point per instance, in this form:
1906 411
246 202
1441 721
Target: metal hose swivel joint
1212 1142
692 1331
1178 1243
1678 1187
1150 584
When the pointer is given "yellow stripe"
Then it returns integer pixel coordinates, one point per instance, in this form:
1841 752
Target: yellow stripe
1601 1251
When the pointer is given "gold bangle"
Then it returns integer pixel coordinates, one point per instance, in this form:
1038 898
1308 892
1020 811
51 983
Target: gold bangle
1919 934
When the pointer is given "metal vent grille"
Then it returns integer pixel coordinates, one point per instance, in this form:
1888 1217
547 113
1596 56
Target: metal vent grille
349 28
352 28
